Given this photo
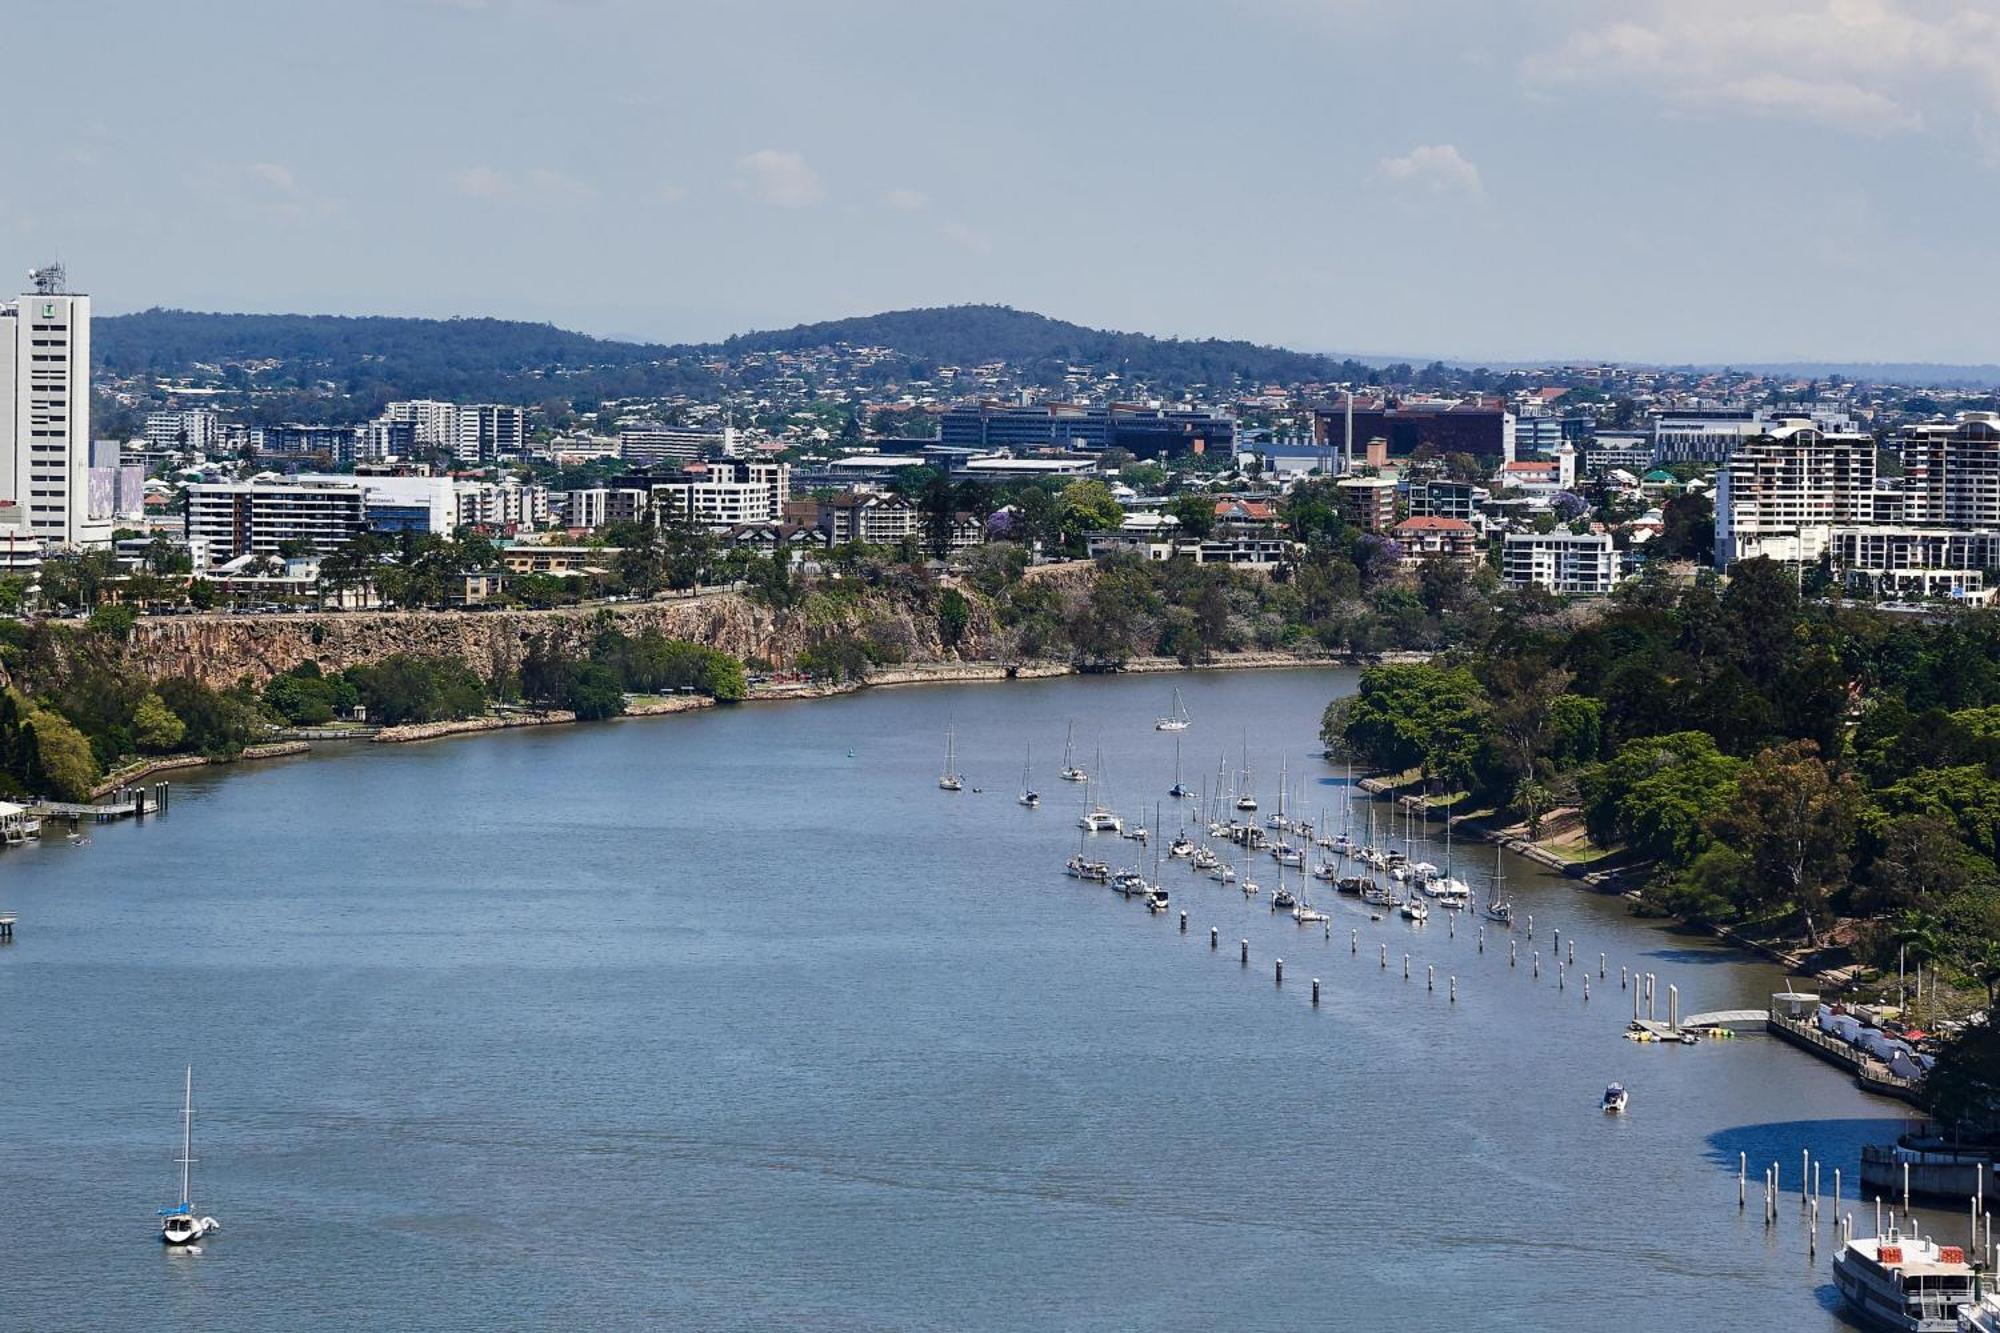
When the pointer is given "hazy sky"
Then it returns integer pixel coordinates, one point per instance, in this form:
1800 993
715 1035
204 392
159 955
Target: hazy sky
1506 179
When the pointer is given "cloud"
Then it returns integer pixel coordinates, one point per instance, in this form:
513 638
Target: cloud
967 238
278 177
905 200
482 183
780 178
1862 66
1434 168
535 185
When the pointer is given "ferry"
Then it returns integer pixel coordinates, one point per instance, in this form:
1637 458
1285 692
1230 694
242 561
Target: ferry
1981 1318
1904 1283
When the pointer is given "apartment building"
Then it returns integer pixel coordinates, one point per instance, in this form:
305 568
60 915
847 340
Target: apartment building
501 504
880 520
646 446
434 423
1573 564
45 411
255 517
489 431
718 494
1780 494
1951 471
194 430
1369 503
1430 538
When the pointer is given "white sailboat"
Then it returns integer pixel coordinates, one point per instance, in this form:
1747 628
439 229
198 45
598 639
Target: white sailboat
1248 800
1280 821
180 1225
1497 906
1029 796
1178 719
1070 772
949 780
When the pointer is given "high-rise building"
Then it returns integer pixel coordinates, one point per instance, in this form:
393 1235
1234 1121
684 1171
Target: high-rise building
1951 471
487 431
1575 564
45 411
435 423
643 446
1779 495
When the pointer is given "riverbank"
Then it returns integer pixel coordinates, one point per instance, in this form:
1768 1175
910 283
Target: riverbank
136 773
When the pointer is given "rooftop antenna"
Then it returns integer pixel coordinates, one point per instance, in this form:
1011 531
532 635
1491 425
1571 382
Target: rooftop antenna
48 280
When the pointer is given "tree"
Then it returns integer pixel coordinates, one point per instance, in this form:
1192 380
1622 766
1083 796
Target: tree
954 615
1419 715
155 726
1792 818
1921 862
1195 512
64 768
1087 506
1687 529
1655 794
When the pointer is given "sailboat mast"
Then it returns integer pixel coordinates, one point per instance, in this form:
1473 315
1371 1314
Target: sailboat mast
187 1132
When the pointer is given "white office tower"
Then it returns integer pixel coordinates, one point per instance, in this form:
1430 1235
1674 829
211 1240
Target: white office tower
45 424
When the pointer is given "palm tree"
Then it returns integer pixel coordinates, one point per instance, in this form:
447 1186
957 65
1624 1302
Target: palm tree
1918 939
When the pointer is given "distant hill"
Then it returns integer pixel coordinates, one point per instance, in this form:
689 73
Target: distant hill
1042 348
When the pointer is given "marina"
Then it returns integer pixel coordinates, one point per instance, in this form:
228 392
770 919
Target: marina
692 1088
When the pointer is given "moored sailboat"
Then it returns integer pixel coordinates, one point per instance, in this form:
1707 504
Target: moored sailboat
180 1225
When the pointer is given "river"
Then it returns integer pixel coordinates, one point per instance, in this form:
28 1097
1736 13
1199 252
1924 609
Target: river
733 1020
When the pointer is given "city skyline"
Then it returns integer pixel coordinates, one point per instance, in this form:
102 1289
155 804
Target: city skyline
1638 181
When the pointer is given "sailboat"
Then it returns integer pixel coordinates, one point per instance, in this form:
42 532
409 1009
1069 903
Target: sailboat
1178 719
1029 796
1497 906
1070 772
1248 800
1279 821
1179 790
949 779
180 1225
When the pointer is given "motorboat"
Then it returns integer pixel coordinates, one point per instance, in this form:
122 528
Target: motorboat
1156 901
1615 1098
1911 1283
1204 859
1282 899
181 1226
1416 909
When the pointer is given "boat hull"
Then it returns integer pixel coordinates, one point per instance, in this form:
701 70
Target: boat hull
1873 1307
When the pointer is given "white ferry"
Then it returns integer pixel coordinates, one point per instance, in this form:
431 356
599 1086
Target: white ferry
1904 1283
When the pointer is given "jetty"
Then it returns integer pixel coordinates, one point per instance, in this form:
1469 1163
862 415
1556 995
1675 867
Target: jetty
123 803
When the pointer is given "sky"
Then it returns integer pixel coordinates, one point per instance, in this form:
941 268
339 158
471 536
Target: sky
1508 180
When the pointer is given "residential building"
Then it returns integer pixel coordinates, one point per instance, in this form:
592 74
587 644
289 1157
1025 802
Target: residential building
302 440
45 411
383 439
242 518
879 520
559 560
1951 471
1369 503
1914 561
435 423
647 445
1435 497
1428 538
193 431
1616 451
509 503
488 431
721 493
1574 564
1779 494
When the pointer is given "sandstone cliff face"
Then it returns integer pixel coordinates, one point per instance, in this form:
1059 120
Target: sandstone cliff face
222 649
